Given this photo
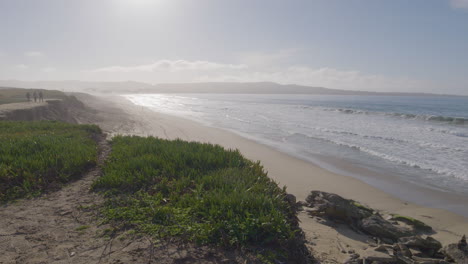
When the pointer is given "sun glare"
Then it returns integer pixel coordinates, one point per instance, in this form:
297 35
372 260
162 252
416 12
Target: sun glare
139 3
138 7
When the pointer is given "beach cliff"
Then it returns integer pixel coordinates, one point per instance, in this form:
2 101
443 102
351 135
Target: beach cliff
66 110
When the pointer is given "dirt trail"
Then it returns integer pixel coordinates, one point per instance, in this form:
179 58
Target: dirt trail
6 108
55 228
63 227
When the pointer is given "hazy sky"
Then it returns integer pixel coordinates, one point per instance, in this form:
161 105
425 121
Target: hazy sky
377 45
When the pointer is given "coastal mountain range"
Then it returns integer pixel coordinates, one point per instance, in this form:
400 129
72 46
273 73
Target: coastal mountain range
205 87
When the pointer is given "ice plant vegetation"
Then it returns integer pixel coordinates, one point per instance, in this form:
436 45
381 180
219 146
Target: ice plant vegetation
200 193
38 156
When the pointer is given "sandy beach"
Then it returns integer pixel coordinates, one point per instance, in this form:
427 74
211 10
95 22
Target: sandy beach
119 116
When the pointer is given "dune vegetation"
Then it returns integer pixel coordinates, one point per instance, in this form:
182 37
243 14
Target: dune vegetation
38 156
199 193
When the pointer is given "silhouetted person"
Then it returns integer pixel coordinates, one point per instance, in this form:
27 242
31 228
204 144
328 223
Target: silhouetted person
35 96
28 96
41 97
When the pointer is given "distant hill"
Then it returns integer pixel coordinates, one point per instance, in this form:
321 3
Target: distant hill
209 87
261 88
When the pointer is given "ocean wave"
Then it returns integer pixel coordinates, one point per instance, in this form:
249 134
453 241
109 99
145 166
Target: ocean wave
459 134
238 119
449 119
388 157
432 118
449 132
419 143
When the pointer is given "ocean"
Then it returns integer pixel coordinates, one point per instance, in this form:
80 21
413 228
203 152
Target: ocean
422 140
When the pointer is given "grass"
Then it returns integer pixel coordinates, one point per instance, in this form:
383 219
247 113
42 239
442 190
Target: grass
370 210
36 156
200 193
82 228
18 95
418 225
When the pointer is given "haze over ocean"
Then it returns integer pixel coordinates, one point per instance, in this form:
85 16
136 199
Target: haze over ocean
423 140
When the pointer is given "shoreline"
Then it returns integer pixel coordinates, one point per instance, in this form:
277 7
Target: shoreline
386 179
418 193
299 176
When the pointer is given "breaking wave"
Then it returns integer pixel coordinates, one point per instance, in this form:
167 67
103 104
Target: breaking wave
387 156
425 117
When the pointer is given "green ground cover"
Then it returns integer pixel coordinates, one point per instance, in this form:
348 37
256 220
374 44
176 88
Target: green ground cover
199 193
36 156
418 225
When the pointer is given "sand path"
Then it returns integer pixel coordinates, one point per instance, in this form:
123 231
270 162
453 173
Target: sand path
56 227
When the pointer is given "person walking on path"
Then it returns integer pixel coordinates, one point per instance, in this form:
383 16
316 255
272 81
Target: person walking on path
28 96
41 97
35 96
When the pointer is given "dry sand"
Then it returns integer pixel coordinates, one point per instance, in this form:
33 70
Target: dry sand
119 116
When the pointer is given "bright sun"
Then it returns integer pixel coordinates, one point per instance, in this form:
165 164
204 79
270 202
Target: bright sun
139 3
138 7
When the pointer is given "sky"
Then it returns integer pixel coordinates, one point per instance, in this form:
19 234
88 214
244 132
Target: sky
372 45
